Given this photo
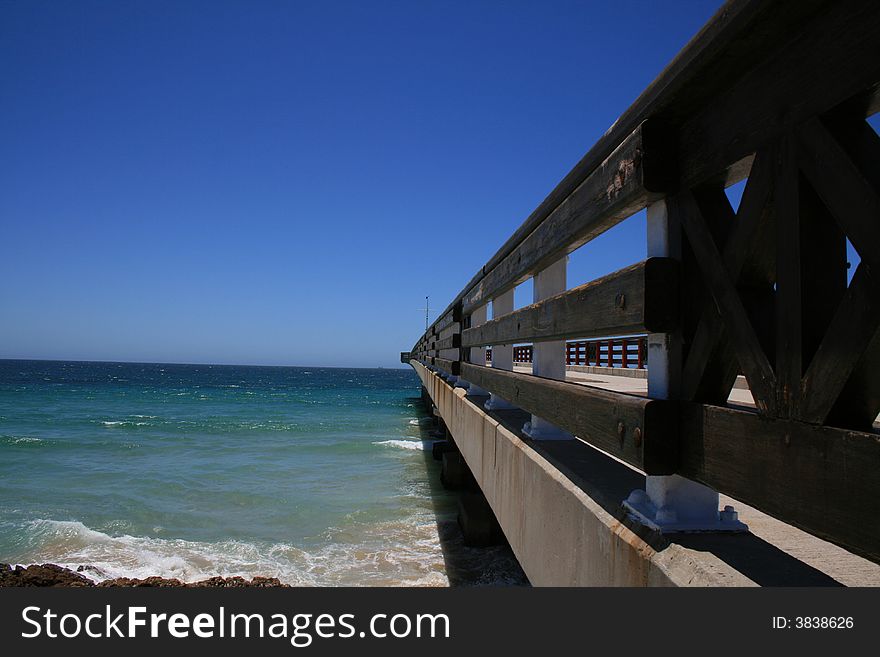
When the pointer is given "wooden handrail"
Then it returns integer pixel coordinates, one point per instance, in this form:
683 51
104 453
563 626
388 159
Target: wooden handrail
777 92
638 299
741 36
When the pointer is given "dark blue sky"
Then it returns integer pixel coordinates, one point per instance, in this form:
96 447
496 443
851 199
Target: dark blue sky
261 182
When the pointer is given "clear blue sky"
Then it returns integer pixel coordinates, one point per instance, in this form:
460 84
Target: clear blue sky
260 182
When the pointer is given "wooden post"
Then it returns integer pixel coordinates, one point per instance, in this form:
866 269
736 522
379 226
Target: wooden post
548 358
477 355
671 502
502 354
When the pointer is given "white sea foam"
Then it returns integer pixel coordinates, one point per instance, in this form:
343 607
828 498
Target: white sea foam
420 445
126 423
17 440
383 554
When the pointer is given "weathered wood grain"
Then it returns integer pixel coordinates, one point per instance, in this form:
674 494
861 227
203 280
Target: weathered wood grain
802 73
612 192
638 299
788 282
452 342
449 366
736 39
730 308
821 479
637 430
844 169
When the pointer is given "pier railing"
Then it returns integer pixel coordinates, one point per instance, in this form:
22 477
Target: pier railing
776 93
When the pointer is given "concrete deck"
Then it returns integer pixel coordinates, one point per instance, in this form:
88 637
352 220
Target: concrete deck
558 503
624 381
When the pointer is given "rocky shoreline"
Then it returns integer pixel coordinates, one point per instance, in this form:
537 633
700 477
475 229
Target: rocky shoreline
49 574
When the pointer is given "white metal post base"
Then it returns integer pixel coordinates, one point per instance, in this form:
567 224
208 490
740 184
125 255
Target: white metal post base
495 403
476 391
541 429
674 504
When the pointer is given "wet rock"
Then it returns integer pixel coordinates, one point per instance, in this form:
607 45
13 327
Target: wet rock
137 583
47 574
212 582
52 575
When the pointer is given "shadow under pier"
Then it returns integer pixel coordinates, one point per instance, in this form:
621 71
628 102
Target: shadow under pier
464 565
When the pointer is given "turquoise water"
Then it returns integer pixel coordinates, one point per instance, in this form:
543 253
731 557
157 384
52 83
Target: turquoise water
316 476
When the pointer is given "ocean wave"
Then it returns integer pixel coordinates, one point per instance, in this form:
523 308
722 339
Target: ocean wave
419 445
385 554
124 423
21 440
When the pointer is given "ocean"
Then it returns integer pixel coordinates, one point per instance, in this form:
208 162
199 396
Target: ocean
317 476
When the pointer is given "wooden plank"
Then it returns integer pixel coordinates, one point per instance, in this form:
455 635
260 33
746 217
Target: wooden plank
612 192
452 367
445 324
843 187
638 299
802 73
710 344
823 270
821 479
452 342
752 358
789 350
858 403
718 358
447 319
843 169
850 333
637 430
451 329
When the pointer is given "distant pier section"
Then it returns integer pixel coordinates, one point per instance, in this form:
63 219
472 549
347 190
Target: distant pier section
705 416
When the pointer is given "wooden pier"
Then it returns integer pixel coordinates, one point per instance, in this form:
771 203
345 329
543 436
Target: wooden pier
774 93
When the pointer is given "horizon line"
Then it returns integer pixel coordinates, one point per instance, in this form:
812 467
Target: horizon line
139 362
